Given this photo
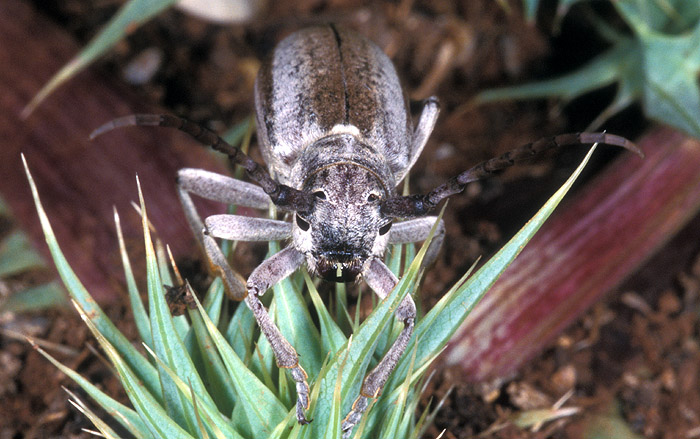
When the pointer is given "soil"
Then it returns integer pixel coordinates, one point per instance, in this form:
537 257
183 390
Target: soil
632 360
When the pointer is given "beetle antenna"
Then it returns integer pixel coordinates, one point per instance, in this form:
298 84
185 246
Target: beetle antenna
420 205
283 196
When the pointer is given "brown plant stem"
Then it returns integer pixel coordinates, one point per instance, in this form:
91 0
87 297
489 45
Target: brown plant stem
589 247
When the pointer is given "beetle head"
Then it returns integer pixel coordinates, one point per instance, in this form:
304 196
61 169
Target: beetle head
344 226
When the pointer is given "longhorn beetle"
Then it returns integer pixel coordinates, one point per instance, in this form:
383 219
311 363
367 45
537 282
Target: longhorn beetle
337 136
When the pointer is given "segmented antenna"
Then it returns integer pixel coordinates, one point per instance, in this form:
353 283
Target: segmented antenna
420 205
283 196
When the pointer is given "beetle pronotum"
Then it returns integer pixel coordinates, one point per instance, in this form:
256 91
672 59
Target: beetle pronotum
337 137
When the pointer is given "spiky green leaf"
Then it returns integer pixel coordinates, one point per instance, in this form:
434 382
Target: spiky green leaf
141 367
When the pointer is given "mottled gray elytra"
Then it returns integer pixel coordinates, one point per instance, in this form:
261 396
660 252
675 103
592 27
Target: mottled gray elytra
337 137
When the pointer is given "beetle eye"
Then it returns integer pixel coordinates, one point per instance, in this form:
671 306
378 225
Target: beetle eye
385 228
372 198
303 225
320 195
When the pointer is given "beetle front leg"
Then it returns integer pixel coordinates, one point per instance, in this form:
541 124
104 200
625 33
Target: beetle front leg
381 280
216 187
271 271
267 274
418 230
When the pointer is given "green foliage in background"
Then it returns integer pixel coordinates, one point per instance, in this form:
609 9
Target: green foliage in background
18 258
129 18
657 65
132 15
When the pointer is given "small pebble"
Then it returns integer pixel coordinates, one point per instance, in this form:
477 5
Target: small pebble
144 66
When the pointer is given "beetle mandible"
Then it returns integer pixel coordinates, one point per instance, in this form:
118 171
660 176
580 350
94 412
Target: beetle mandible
337 137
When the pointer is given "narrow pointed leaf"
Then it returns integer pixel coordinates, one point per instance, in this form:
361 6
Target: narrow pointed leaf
332 337
151 411
145 371
102 426
333 427
219 381
215 421
262 408
167 344
143 323
241 332
606 69
131 16
436 328
127 417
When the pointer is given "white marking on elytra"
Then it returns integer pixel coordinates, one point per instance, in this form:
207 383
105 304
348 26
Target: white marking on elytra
346 129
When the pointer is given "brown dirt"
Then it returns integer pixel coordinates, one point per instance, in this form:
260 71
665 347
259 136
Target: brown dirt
638 349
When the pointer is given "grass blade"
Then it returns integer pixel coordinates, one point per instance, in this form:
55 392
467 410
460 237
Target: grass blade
167 344
332 337
140 365
261 407
445 318
143 323
127 19
151 410
123 414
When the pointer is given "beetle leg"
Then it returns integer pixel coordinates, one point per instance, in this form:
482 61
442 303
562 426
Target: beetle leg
234 283
221 188
425 126
215 187
240 228
237 228
416 230
381 280
245 228
271 271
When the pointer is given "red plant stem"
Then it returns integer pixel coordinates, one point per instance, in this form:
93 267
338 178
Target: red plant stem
599 238
79 181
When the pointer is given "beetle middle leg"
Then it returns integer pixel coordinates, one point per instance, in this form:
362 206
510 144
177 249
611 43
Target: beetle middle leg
237 228
227 190
267 274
